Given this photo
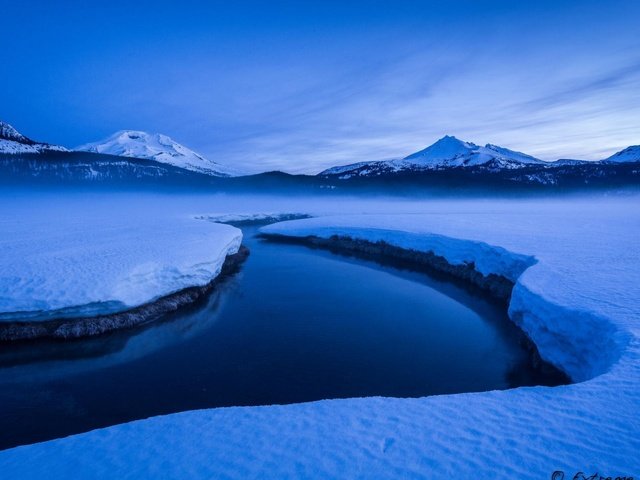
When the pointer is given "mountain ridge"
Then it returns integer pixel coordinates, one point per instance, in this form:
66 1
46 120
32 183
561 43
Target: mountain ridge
450 152
448 163
13 142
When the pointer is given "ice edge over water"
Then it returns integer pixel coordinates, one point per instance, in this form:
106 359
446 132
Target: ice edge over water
582 353
577 291
108 268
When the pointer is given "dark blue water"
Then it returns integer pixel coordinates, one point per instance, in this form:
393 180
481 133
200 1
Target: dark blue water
294 325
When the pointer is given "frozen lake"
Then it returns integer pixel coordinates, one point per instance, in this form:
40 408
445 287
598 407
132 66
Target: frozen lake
295 324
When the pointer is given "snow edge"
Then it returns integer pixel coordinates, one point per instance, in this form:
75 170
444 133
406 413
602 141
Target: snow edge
579 342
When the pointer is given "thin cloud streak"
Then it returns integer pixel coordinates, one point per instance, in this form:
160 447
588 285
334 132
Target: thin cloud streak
308 86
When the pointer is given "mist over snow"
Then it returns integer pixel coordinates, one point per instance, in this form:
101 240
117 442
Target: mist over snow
576 296
491 140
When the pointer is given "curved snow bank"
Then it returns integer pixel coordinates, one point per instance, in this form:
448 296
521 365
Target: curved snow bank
579 342
586 282
75 266
67 328
485 258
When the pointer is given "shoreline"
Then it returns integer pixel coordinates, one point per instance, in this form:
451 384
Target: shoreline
497 286
75 328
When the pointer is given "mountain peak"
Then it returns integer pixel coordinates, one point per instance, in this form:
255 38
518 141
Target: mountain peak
13 142
629 154
447 152
7 132
449 139
132 134
447 147
154 146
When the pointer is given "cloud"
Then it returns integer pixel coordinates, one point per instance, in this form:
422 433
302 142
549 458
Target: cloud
407 105
261 90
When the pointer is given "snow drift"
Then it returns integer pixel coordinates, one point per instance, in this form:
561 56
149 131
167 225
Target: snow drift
69 266
577 284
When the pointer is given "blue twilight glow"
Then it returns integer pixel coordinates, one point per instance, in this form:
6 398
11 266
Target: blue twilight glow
301 86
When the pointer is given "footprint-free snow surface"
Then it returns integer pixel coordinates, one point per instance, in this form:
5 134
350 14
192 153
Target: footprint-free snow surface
577 273
76 264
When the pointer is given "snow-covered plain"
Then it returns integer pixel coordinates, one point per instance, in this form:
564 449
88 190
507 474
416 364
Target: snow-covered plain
577 267
80 264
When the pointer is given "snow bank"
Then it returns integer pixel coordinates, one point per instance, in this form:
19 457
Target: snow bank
77 265
577 273
581 341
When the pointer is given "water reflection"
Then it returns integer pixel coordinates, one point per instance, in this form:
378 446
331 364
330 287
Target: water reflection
295 324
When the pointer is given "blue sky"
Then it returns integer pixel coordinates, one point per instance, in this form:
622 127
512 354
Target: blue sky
301 86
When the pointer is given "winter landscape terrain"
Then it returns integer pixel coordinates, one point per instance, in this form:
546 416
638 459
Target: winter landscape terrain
320 240
13 142
566 262
100 265
160 148
136 158
574 262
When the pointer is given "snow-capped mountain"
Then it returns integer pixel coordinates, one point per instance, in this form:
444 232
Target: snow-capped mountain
133 158
13 142
629 154
451 152
447 152
155 146
453 163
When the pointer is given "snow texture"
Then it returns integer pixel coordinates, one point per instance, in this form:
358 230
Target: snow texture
354 166
629 154
577 272
154 146
450 152
72 266
446 152
13 142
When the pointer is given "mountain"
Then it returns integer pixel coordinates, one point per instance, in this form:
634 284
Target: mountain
136 160
629 154
87 168
451 163
13 142
451 152
23 160
563 162
448 152
157 147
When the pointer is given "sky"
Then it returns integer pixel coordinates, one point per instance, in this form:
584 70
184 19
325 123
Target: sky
302 86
